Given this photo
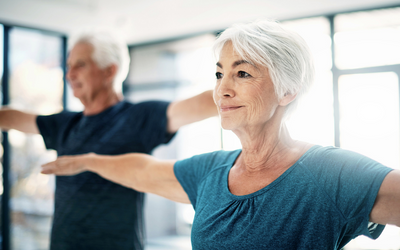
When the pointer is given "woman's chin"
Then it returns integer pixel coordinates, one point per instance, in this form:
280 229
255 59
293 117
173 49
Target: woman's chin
228 125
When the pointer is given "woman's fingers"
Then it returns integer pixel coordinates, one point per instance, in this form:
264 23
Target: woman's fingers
48 168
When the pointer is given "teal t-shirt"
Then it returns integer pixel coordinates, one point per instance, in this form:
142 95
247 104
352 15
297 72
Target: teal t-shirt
321 202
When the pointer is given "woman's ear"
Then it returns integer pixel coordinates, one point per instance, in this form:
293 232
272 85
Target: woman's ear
287 98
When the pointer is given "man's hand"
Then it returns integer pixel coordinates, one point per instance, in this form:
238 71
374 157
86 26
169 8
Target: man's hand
21 121
68 165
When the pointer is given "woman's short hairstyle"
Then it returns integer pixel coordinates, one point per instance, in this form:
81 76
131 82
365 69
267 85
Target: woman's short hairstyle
108 48
282 51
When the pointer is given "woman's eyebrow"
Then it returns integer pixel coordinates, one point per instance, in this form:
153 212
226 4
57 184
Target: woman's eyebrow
236 63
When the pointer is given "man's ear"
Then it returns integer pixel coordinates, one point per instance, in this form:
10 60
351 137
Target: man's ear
287 98
111 71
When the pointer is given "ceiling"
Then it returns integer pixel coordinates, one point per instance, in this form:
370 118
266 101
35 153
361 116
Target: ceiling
142 21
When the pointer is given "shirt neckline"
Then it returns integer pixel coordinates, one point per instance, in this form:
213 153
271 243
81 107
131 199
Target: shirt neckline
266 188
106 111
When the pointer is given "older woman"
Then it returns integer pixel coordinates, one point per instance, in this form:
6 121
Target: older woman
276 192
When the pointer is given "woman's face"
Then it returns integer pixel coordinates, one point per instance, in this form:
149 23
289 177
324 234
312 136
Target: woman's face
244 93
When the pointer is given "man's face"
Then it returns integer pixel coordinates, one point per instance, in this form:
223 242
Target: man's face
86 79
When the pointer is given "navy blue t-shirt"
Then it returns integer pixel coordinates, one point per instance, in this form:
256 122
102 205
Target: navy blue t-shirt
91 212
321 202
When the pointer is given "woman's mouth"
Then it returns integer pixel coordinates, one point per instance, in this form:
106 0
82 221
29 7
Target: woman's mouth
229 108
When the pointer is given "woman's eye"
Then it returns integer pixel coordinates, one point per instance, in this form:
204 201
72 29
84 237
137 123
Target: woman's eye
218 75
243 74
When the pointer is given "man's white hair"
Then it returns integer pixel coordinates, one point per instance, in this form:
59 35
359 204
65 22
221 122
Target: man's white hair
283 52
108 48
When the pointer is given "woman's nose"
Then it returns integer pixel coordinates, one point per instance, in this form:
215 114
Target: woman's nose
225 87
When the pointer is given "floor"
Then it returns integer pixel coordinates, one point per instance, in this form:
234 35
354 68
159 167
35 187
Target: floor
169 243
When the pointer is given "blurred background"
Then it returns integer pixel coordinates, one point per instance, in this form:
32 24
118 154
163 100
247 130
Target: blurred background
354 103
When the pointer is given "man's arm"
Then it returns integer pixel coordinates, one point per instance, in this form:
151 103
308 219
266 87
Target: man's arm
14 119
141 172
386 209
191 110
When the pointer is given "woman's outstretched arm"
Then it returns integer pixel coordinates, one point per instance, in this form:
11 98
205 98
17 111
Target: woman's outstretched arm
138 171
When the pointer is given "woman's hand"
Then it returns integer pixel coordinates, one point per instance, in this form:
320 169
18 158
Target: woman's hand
68 165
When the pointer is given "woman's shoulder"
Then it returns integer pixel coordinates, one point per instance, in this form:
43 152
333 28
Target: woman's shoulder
331 153
220 157
199 166
333 159
208 162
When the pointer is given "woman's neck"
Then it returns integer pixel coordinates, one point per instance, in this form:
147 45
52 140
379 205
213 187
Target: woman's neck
265 147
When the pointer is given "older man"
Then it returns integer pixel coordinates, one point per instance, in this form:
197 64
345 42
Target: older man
91 212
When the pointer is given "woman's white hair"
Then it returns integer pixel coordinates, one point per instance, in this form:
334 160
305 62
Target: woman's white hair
283 52
108 48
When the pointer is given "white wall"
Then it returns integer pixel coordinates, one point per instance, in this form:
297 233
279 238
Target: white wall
150 20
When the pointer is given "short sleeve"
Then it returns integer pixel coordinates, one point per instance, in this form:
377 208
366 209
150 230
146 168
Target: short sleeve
352 181
188 175
51 127
192 171
154 124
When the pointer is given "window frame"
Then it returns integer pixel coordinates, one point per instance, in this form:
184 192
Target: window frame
5 198
6 161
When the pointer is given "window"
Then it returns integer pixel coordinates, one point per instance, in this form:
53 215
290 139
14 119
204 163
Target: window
36 86
369 122
367 57
367 38
173 71
1 51
1 102
354 102
313 119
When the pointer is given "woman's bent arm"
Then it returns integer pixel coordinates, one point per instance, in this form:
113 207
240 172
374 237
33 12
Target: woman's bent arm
141 172
386 209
